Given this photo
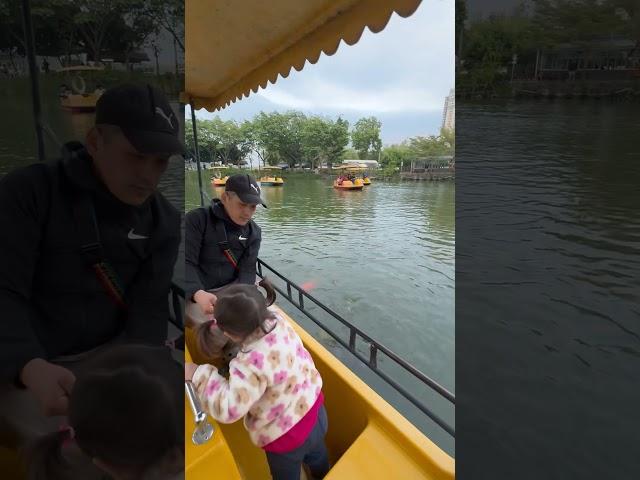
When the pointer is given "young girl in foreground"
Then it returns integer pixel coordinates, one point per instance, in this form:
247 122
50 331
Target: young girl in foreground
126 416
273 383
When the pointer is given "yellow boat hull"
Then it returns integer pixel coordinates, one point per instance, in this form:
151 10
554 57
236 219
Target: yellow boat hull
349 185
367 438
271 181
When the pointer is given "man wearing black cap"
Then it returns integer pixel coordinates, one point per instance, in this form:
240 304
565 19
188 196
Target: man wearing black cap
222 241
87 249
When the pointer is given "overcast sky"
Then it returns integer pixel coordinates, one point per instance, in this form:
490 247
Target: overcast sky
401 75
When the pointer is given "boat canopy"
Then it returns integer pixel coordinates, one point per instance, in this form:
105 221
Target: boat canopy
351 167
233 48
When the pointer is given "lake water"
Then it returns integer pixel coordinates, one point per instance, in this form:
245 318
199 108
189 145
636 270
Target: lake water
547 276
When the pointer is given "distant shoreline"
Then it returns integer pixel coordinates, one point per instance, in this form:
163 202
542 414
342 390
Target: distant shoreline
555 90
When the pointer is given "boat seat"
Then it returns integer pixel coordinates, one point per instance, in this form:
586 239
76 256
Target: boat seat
374 454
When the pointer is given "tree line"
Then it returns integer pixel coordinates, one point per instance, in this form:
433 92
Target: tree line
296 139
485 47
63 28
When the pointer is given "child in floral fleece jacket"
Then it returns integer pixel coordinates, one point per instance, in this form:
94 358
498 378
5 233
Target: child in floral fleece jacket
273 383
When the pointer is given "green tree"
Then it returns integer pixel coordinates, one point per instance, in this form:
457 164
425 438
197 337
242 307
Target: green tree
448 136
461 17
393 156
168 14
259 132
350 154
431 146
559 21
490 45
365 137
279 135
130 32
628 14
324 140
338 140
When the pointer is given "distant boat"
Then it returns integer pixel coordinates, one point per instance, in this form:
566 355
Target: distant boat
77 98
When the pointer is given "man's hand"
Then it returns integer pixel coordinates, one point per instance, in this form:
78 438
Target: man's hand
189 371
206 301
51 385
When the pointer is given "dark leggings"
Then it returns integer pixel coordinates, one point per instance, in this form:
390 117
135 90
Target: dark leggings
313 452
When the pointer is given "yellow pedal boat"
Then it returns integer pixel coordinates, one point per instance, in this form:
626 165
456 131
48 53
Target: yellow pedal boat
271 181
357 184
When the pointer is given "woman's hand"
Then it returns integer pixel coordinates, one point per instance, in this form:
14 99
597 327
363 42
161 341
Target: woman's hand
189 371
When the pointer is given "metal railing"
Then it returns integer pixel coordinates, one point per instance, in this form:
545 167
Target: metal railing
176 317
374 347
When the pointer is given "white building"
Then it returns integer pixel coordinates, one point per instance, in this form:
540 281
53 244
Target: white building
449 112
366 163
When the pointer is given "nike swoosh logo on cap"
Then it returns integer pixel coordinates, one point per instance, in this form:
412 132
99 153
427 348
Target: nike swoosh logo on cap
135 236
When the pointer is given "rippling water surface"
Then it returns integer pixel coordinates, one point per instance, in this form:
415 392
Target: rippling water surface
556 274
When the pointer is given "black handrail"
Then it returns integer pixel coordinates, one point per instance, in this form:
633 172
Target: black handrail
177 316
374 348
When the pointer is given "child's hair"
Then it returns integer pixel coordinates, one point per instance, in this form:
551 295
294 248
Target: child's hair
126 409
240 310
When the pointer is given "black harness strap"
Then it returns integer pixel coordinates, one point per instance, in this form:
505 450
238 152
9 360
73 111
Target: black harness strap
221 233
91 248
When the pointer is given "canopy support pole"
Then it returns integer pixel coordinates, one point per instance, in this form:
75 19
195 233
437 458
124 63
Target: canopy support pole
195 144
33 75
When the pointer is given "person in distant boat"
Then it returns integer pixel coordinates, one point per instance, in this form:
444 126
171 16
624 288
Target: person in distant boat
87 254
222 242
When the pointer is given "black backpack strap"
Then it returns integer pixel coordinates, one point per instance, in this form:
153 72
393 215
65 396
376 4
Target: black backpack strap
91 248
221 233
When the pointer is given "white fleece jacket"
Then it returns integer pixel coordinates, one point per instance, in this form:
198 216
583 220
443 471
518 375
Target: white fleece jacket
273 382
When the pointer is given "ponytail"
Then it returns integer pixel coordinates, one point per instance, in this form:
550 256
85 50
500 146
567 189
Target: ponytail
208 344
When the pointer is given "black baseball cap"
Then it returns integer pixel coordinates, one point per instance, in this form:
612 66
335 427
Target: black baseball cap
144 115
246 187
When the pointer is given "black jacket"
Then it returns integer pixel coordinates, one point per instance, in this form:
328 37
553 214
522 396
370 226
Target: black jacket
51 301
206 265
